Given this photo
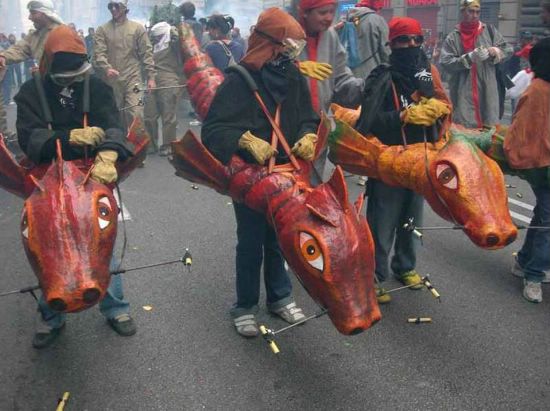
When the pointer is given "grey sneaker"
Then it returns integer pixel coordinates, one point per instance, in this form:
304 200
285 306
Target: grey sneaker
290 313
518 272
532 291
123 325
246 325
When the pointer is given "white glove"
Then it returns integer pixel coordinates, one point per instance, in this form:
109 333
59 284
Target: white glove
479 55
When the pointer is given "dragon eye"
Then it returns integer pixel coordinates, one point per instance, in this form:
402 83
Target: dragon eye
104 212
446 175
25 225
311 251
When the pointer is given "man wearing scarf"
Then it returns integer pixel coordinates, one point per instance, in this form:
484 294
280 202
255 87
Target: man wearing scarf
45 19
236 124
63 69
527 146
469 54
372 36
163 104
403 102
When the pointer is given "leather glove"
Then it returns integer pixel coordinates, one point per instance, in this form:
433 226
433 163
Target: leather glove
104 170
261 150
305 147
313 69
87 136
420 114
440 108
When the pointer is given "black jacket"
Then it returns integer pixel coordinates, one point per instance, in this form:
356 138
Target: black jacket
234 110
379 114
39 143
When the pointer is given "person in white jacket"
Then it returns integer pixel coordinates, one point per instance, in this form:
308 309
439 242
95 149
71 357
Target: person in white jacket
522 79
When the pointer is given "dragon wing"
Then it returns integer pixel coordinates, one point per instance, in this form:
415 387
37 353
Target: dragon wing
12 174
194 162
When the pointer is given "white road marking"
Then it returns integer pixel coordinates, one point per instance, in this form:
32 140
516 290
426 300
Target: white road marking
125 212
520 217
521 204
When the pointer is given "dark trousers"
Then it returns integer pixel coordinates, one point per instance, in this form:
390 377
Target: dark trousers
534 256
256 241
388 209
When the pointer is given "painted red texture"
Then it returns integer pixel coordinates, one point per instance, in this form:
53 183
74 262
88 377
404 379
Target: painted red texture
324 238
68 223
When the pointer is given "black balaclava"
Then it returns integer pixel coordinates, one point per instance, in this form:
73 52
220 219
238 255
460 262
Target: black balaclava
412 70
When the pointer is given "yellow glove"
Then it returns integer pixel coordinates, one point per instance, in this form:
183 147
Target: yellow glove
441 109
104 170
87 136
420 115
305 147
261 150
318 71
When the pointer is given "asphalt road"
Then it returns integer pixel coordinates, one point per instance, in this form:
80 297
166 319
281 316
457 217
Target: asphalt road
486 348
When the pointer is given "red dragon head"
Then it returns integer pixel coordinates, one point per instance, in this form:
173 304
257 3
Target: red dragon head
69 226
329 246
69 222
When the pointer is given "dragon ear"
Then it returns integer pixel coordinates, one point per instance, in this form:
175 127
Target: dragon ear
339 187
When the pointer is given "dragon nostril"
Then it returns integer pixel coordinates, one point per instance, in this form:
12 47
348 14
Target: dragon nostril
356 331
492 240
91 295
57 304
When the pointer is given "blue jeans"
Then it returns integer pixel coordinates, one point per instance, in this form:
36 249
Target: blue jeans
112 305
534 256
388 209
257 241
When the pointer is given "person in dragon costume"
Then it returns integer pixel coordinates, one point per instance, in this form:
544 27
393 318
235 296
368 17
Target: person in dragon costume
527 147
403 103
236 124
55 108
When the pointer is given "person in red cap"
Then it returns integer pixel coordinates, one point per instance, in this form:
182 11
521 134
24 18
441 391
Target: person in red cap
403 103
470 54
323 49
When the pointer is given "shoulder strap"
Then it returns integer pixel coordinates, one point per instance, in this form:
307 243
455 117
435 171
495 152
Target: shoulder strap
42 97
245 75
227 52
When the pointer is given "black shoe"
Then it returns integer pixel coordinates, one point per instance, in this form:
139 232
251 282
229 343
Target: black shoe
123 325
45 339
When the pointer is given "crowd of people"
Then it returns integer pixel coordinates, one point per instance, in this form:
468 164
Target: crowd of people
302 62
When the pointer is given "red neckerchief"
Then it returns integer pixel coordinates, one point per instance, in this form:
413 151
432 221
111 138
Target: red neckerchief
311 44
468 35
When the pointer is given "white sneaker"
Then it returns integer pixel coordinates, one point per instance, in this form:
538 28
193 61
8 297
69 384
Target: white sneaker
532 291
290 313
518 272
